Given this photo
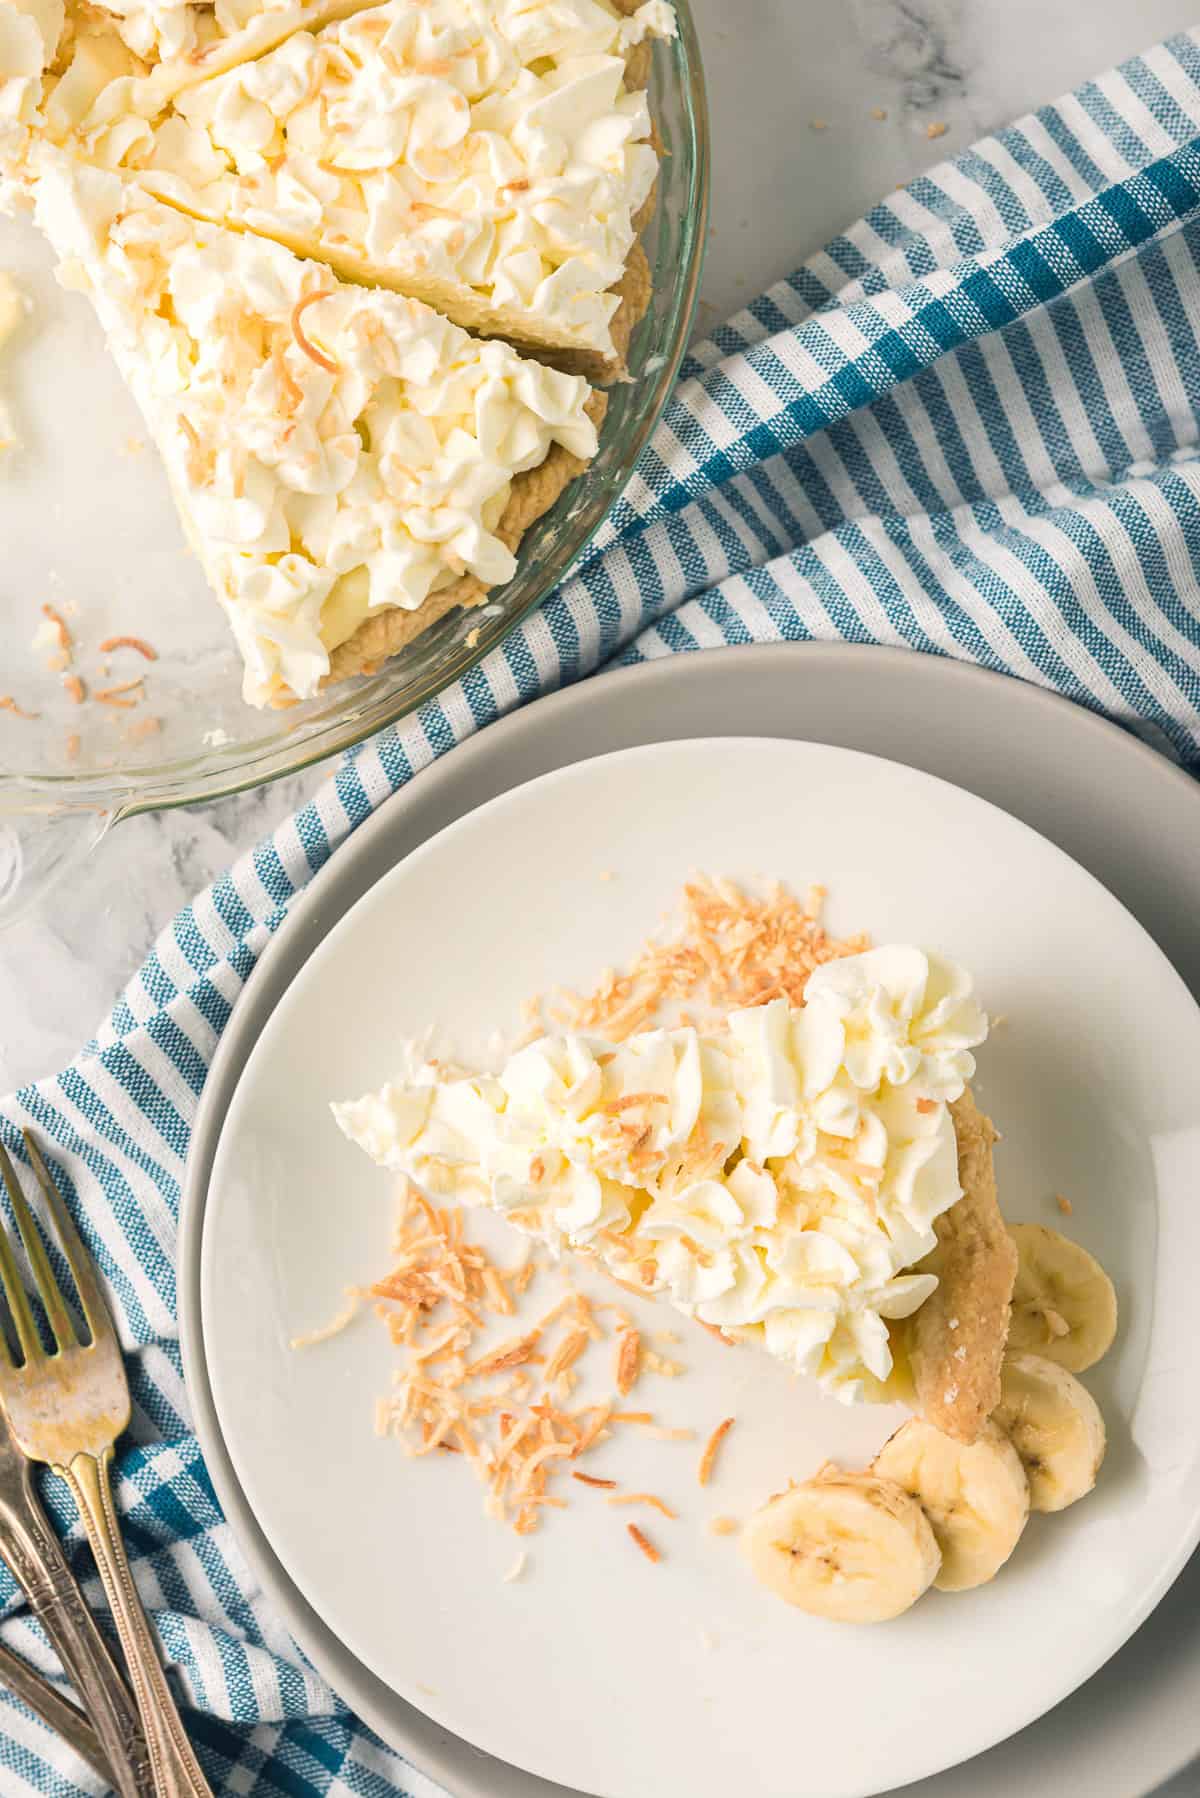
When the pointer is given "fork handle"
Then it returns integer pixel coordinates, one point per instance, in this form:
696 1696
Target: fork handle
174 1768
33 1551
56 1712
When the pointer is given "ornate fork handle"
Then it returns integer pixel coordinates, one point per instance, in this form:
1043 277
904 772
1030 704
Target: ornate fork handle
56 1712
175 1771
32 1550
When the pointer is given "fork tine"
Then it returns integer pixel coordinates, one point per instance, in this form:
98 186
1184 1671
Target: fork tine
95 1310
10 1274
61 1321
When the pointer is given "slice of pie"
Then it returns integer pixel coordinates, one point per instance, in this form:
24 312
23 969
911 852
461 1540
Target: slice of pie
348 464
493 160
786 1178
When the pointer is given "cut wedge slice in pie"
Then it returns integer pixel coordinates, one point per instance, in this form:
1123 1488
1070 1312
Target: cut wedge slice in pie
487 157
781 1177
347 463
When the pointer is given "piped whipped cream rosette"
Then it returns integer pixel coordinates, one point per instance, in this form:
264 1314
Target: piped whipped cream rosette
336 452
485 156
777 1178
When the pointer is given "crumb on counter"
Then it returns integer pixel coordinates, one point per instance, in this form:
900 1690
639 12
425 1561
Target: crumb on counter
517 1569
724 1526
1064 1204
138 643
879 112
938 128
124 696
818 124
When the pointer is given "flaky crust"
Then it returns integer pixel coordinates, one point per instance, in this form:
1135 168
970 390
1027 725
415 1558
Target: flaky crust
960 1331
533 493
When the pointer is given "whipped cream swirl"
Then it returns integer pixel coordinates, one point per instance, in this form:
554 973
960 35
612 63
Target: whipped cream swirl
778 1178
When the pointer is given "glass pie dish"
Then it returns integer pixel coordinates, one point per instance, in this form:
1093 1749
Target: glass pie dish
89 530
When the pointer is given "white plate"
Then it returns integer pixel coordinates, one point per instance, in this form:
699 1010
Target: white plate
594 1670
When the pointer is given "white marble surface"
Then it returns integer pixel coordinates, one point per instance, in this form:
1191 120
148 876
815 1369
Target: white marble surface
797 155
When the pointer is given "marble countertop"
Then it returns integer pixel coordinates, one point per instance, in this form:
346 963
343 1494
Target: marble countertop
798 153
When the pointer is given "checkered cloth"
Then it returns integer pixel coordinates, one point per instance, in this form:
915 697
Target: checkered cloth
969 428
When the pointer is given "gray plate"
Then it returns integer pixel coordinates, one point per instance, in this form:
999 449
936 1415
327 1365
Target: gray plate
1117 806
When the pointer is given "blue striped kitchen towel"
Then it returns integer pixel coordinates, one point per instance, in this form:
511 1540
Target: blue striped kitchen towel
970 427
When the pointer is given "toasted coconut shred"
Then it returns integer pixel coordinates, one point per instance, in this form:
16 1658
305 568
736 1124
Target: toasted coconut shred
505 1408
9 704
708 1458
644 1498
732 949
502 1410
644 1543
335 1326
304 342
137 643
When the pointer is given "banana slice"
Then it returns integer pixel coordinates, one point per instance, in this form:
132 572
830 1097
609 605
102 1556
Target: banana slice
1055 1426
847 1546
1064 1306
975 1496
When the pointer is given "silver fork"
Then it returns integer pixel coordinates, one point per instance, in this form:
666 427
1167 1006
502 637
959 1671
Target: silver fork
67 1409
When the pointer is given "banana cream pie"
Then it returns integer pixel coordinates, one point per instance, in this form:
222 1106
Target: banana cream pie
494 158
348 464
781 1178
491 158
